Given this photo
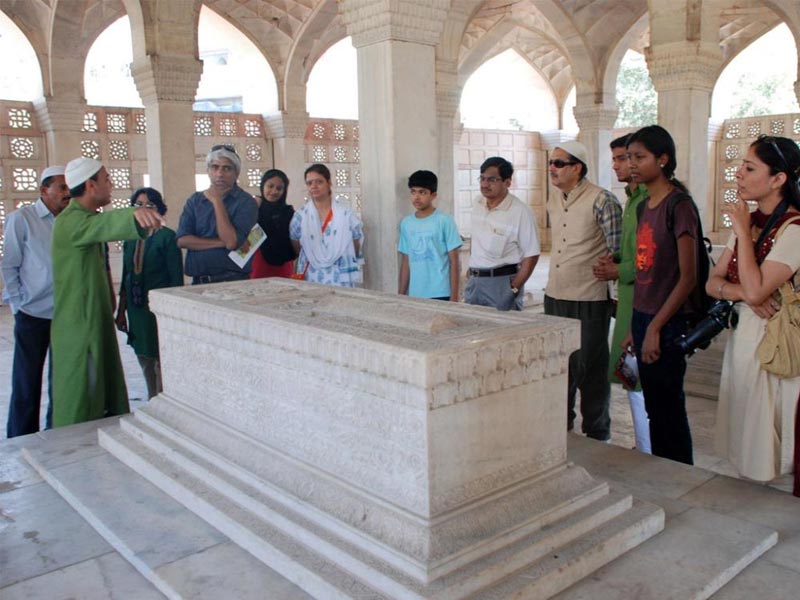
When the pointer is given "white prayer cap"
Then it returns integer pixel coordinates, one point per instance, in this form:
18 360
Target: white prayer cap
81 169
51 172
575 149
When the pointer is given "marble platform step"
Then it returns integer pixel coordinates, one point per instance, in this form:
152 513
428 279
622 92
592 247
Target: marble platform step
329 566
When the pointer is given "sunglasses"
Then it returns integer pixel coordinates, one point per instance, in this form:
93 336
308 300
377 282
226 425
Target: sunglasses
560 164
227 147
768 139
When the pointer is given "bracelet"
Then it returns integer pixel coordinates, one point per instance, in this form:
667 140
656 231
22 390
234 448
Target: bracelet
719 291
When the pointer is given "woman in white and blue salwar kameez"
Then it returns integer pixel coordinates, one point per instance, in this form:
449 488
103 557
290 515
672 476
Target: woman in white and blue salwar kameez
327 234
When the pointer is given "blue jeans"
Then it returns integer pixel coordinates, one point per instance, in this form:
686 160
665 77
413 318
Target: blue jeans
662 384
31 343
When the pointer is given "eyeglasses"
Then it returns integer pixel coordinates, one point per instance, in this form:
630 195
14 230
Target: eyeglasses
491 179
768 139
227 147
560 164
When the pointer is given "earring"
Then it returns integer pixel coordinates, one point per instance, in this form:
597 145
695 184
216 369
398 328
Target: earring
661 166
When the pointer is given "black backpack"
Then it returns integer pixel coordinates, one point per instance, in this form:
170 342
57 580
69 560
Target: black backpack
698 299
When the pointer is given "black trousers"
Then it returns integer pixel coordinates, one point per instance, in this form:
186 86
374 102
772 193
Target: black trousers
588 366
31 343
662 384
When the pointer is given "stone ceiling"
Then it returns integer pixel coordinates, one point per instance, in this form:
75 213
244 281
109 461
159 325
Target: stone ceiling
555 36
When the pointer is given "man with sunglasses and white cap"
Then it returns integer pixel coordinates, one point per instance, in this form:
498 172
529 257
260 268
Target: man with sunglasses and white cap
88 380
27 270
217 220
586 223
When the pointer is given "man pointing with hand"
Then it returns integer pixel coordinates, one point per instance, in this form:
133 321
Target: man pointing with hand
88 380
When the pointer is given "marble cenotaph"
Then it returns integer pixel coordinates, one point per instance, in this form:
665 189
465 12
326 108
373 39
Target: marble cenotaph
366 445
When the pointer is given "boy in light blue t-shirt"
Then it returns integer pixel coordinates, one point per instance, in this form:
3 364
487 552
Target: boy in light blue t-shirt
428 246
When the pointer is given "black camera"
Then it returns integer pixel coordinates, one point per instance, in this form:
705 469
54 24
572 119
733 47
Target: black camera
717 319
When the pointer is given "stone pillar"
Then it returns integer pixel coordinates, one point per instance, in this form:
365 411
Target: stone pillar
448 96
397 111
596 123
167 86
61 121
684 74
287 131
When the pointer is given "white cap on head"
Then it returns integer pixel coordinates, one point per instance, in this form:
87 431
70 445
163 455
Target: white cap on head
81 169
576 149
51 172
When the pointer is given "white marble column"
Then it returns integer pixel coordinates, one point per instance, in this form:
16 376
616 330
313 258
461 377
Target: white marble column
684 74
596 123
61 122
286 131
448 96
397 113
167 86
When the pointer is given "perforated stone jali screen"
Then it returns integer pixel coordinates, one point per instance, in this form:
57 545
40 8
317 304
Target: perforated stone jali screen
335 143
737 136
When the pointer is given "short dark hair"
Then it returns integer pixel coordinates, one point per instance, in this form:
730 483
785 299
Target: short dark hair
80 190
48 180
320 169
620 142
505 168
153 196
424 179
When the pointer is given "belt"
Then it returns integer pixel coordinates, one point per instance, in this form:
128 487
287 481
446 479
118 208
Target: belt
199 279
496 272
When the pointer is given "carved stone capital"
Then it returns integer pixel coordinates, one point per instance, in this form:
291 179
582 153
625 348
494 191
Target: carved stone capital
448 91
286 125
458 131
372 21
59 115
595 116
169 78
684 65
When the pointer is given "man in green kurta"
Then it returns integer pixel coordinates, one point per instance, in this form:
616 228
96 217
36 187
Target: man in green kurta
620 266
88 380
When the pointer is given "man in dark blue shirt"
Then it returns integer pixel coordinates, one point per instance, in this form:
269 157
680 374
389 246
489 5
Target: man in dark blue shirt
216 221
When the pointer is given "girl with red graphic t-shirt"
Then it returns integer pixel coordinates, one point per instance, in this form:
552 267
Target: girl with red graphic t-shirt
757 411
666 274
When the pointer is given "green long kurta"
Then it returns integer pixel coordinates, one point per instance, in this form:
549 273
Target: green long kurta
162 267
626 260
88 380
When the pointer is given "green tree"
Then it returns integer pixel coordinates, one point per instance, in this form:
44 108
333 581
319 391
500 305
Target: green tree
761 94
637 100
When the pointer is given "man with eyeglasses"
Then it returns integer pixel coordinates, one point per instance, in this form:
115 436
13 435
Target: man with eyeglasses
505 241
586 223
217 220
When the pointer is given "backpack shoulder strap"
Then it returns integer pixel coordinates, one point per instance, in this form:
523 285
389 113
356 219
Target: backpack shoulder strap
673 202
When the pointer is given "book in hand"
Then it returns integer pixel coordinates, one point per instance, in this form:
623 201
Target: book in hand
242 254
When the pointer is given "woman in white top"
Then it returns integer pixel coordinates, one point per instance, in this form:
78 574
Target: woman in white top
327 234
757 410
